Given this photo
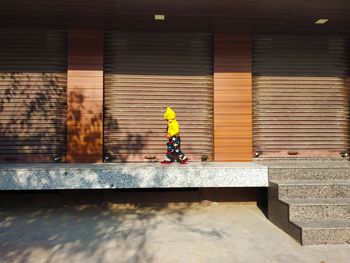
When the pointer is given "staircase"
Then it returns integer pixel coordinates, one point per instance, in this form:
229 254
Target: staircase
311 200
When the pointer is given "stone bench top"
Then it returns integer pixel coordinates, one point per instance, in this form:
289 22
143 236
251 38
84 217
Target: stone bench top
131 175
247 165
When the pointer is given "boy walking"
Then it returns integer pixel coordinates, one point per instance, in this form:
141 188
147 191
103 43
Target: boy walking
174 144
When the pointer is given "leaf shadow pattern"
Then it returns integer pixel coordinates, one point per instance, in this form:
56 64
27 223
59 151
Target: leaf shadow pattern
72 234
84 129
124 148
32 113
85 132
80 230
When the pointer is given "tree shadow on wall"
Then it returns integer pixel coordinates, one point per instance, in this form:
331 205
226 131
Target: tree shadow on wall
85 131
33 112
121 148
32 126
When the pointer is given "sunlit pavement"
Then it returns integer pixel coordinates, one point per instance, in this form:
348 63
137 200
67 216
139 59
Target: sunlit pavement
209 232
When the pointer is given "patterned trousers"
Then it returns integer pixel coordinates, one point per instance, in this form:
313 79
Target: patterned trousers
174 149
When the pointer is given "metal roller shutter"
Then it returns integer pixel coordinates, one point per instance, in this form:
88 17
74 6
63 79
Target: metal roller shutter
300 96
33 97
145 73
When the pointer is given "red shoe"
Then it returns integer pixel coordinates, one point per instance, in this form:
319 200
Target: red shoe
166 162
184 161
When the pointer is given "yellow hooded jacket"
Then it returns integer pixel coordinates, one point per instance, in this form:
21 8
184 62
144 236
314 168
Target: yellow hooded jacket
173 125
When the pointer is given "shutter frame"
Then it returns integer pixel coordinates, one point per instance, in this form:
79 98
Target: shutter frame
166 69
33 92
300 97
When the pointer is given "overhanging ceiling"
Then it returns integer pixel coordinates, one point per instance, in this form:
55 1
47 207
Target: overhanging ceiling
230 16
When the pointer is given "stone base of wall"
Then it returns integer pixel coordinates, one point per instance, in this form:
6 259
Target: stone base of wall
131 176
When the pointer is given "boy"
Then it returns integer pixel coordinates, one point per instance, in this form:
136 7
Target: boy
174 144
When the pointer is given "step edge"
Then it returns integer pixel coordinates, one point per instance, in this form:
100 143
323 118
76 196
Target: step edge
310 182
317 201
339 227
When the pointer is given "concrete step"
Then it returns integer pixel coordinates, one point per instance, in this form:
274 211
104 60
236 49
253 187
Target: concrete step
312 189
340 172
311 201
319 232
318 209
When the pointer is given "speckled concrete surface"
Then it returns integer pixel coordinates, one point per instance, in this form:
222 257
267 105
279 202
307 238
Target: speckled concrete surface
310 190
308 170
131 175
340 173
316 236
197 233
318 212
304 163
312 196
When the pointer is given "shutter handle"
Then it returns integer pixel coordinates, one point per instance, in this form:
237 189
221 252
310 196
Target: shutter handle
150 157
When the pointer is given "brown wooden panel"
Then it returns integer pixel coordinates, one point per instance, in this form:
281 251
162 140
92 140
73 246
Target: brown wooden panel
232 108
90 94
84 119
85 156
237 68
230 120
239 155
232 98
226 62
82 131
84 82
235 96
85 96
226 142
225 133
233 81
84 140
83 107
85 73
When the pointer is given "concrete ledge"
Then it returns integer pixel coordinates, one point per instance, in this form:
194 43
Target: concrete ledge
131 175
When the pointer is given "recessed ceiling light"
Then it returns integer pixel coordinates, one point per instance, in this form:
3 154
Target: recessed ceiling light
159 17
321 21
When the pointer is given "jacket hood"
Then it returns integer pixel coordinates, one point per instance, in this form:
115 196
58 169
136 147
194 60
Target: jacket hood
169 114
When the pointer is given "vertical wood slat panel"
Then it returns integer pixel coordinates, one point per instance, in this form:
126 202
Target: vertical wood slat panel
33 96
85 96
301 105
145 73
232 98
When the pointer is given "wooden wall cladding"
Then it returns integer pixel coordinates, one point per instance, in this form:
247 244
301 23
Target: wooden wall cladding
232 98
85 96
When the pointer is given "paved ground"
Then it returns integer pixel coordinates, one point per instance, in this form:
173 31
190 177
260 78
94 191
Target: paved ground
182 233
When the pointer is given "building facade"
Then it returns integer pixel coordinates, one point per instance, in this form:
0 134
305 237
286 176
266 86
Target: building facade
94 96
88 81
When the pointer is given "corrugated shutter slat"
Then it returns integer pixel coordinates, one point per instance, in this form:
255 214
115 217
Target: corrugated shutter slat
300 95
33 95
145 73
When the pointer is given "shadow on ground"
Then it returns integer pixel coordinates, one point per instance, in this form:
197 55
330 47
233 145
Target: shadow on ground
92 223
88 231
